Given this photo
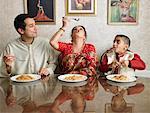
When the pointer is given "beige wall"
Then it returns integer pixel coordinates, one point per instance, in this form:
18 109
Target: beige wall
99 33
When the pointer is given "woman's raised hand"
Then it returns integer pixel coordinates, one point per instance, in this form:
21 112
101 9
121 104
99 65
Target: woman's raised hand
65 22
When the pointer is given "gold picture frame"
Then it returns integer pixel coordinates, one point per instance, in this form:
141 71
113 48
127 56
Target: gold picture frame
43 11
123 12
128 109
75 8
83 112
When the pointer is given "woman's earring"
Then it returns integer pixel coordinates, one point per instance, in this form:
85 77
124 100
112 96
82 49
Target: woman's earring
83 39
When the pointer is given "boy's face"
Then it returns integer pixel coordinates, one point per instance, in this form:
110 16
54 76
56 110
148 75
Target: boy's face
119 45
30 29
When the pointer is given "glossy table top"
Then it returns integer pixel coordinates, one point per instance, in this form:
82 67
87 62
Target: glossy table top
95 95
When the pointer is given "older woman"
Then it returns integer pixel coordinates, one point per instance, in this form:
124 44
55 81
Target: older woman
77 56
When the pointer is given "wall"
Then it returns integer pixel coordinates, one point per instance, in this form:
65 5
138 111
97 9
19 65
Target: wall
99 33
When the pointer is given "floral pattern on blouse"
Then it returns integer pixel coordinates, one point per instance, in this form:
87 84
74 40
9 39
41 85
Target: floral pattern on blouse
84 62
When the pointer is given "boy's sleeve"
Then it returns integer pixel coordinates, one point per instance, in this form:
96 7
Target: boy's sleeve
104 67
137 63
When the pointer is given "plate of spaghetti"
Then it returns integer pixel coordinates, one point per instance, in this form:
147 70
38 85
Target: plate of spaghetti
25 77
121 78
72 77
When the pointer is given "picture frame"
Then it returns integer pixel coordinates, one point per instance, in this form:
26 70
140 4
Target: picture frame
43 11
123 12
83 112
76 8
129 108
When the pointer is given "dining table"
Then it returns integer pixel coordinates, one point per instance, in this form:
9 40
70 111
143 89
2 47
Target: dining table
96 94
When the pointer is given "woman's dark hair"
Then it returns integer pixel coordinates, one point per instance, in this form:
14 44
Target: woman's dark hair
125 38
83 29
19 21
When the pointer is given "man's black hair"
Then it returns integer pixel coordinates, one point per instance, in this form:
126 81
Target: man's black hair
19 21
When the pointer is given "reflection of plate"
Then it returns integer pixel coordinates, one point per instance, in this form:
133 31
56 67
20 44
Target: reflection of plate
72 78
125 84
34 76
128 79
82 83
25 83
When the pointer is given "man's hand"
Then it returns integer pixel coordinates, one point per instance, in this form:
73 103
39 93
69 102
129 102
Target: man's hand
44 71
9 59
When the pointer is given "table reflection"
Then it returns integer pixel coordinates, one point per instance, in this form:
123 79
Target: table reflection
97 95
29 95
119 91
76 93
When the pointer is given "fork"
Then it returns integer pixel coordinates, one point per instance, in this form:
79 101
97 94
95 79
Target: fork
75 19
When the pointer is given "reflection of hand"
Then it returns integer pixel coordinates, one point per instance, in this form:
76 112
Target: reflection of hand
10 100
9 59
113 89
123 92
29 106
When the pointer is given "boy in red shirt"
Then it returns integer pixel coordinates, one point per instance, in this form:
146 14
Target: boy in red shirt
119 59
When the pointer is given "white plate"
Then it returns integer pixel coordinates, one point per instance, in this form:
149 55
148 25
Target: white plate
34 76
63 77
129 78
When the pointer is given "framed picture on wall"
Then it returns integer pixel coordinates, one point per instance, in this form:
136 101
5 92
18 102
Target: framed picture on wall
43 11
123 12
81 7
129 108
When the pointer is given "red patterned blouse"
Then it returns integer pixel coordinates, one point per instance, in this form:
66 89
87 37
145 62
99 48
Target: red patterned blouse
84 62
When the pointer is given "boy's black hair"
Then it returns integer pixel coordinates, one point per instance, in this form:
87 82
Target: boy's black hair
125 38
19 21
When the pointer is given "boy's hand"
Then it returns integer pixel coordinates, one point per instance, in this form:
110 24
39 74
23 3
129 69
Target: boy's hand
125 63
115 64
